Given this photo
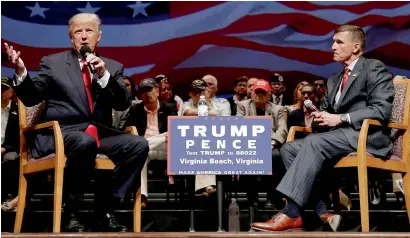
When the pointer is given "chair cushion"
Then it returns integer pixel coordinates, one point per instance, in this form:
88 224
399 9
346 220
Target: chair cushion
392 157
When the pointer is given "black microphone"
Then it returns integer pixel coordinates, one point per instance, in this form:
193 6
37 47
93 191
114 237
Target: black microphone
310 106
85 51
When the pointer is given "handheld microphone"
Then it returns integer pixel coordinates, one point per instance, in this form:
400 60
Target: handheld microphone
309 105
85 51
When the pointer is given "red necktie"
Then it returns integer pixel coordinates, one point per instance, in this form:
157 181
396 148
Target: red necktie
345 78
91 129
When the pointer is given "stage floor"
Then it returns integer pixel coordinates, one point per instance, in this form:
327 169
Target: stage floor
211 234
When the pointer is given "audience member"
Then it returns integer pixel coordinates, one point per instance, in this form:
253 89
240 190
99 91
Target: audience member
205 185
249 86
166 92
278 90
10 145
259 105
363 90
240 93
297 97
118 115
150 117
222 103
321 87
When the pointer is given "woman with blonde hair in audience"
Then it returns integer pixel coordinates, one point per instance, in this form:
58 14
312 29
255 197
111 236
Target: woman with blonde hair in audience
297 97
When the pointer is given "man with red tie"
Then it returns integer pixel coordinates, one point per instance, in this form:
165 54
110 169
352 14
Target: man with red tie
82 103
363 90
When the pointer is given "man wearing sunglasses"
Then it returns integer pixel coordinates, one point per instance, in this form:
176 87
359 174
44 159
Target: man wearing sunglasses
321 88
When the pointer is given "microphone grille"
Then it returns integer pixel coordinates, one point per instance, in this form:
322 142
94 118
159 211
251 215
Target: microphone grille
308 103
85 49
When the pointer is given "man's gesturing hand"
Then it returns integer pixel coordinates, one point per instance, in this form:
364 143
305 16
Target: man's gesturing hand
14 57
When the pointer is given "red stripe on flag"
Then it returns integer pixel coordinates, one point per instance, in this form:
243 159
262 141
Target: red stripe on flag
354 8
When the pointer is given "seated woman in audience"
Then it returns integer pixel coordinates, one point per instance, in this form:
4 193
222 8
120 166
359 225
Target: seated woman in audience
297 97
166 92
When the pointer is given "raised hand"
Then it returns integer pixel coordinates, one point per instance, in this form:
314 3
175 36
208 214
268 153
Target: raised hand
14 57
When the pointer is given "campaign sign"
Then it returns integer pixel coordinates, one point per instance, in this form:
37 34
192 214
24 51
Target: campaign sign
219 145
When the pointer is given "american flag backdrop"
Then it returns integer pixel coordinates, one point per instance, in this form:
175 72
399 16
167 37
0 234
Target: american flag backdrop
186 40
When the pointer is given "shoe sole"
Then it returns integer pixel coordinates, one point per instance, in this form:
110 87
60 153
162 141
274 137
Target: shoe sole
289 230
336 225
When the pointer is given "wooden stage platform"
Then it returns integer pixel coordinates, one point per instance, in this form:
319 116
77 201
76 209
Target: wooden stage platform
212 235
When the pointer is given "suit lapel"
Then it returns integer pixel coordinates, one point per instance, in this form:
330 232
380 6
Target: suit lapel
268 109
74 71
352 77
332 94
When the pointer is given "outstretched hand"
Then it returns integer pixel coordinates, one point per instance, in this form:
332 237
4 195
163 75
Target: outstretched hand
14 58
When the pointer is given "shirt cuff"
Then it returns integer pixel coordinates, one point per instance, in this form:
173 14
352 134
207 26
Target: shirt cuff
20 79
104 80
348 118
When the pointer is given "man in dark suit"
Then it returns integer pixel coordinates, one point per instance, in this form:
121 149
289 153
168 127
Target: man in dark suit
10 139
240 93
278 90
82 103
151 119
364 90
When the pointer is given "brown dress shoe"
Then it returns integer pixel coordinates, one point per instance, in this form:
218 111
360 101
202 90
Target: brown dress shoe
333 220
280 222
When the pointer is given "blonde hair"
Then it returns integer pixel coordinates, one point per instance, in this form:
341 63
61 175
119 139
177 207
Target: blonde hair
84 17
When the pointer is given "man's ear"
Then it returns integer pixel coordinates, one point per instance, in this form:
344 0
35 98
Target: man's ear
356 48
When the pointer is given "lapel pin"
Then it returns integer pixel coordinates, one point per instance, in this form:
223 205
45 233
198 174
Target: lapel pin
354 75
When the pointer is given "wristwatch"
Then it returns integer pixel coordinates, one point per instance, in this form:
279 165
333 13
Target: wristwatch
344 119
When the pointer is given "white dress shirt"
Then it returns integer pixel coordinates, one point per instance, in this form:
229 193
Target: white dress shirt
339 92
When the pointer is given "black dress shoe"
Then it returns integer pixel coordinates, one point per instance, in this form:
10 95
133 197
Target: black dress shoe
109 224
73 225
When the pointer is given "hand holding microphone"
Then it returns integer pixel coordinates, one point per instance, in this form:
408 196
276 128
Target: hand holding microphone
322 118
95 64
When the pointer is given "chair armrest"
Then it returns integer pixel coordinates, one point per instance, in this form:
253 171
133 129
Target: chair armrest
361 145
52 124
58 138
132 130
294 129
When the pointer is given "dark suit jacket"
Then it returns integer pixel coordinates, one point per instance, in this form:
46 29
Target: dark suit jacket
233 106
60 84
296 118
137 117
285 100
12 134
368 94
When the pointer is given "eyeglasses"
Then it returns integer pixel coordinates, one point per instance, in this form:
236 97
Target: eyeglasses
321 85
309 93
